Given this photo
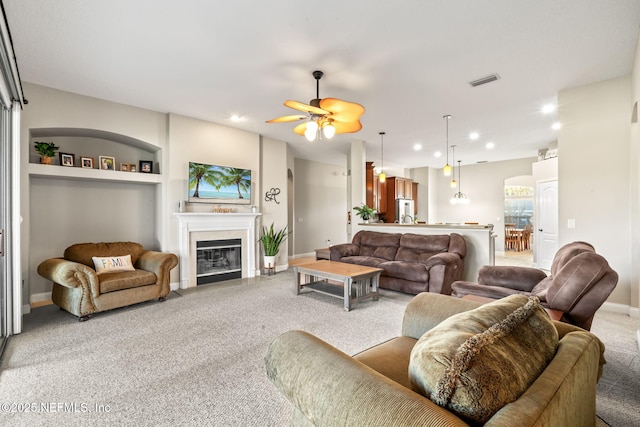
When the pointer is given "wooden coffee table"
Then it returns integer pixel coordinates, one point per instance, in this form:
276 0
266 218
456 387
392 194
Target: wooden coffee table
355 282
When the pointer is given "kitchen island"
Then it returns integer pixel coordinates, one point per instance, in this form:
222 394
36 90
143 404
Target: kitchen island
480 240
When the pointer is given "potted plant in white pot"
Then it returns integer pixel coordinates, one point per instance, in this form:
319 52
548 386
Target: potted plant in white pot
364 212
47 151
271 241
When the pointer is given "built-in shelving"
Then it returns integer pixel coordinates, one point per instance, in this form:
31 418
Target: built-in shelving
65 172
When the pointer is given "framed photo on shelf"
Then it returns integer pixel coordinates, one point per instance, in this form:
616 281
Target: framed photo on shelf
146 166
107 163
133 168
86 162
67 159
124 167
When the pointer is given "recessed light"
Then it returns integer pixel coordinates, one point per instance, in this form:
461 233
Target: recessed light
548 109
236 118
474 135
490 145
417 147
556 126
437 154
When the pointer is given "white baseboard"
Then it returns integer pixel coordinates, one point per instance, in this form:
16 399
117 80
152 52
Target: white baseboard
42 296
307 255
612 307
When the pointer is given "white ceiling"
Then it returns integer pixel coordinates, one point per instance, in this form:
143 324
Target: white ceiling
408 62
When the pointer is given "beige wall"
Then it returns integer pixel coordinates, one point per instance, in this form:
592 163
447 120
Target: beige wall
274 175
320 205
594 174
634 157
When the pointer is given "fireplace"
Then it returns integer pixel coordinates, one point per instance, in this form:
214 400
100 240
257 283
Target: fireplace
218 260
202 261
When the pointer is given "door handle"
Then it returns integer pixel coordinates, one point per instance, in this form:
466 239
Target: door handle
540 230
1 243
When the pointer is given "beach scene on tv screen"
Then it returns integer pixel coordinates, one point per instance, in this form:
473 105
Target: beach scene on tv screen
219 184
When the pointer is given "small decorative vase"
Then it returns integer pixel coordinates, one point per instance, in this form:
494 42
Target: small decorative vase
45 160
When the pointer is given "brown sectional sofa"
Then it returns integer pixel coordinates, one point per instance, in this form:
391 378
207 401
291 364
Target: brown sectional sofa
411 263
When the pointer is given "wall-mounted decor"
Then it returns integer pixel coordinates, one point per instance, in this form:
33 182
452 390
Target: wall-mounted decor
67 159
107 163
86 162
146 166
219 184
271 195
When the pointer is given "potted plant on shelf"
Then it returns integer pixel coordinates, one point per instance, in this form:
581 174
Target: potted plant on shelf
364 212
47 151
271 241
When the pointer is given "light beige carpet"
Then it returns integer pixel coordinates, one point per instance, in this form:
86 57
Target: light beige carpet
198 359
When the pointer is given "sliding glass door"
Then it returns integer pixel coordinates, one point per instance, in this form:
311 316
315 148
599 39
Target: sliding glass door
11 102
4 193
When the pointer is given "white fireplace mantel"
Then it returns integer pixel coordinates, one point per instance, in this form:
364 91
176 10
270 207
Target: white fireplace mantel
192 223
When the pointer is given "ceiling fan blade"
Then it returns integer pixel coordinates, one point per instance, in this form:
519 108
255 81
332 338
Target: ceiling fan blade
285 119
305 107
347 127
300 128
342 111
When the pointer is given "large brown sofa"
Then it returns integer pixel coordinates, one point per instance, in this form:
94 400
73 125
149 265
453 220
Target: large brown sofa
82 291
411 263
382 386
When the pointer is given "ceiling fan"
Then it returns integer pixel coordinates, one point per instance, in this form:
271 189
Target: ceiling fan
326 117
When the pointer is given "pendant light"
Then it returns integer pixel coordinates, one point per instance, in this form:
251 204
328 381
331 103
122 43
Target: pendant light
459 198
382 177
447 168
454 184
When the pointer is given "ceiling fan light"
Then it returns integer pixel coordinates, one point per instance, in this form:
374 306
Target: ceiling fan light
328 130
312 126
310 135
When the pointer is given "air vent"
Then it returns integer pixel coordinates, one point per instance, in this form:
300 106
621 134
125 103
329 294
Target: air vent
485 80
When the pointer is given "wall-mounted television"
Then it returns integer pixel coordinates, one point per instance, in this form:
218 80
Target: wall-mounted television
219 184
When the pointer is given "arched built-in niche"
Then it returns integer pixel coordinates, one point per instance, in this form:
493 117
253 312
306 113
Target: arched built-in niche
73 204
93 143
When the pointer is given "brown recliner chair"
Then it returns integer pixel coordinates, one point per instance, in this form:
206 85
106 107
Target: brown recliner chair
579 283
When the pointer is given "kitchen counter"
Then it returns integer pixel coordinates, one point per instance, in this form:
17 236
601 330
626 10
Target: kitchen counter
480 240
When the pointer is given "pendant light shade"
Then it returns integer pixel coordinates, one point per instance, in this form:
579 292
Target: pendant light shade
447 168
459 198
382 177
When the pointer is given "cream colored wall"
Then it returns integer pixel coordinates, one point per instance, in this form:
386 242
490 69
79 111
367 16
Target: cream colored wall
635 186
320 205
593 174
274 176
57 213
421 176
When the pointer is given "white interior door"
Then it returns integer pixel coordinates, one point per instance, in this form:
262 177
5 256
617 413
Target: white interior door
547 229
